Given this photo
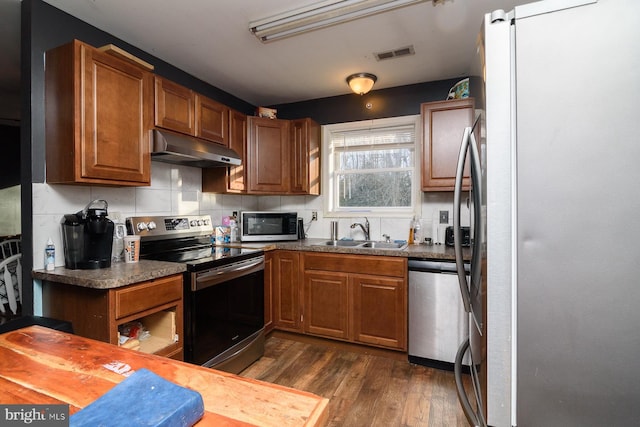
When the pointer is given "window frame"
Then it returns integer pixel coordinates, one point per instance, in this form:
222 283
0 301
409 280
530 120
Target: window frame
328 170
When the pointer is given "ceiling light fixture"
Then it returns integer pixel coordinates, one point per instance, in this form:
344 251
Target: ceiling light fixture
361 83
319 15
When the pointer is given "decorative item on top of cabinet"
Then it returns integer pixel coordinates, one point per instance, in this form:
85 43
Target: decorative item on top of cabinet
443 126
232 179
305 157
268 156
98 112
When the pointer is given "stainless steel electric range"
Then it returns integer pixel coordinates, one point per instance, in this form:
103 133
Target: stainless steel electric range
223 289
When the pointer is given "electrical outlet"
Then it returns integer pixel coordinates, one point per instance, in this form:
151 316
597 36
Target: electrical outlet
314 216
444 217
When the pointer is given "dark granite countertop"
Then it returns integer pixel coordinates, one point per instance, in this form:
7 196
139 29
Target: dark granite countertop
437 252
119 274
122 274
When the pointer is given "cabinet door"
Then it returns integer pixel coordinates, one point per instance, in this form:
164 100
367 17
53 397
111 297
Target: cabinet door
212 120
116 119
98 116
287 291
231 179
238 143
443 127
326 308
268 291
268 155
379 311
174 107
305 157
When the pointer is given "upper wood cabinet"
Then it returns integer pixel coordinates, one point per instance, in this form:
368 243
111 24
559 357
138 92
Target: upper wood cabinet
212 120
305 157
99 113
232 179
182 110
443 127
175 107
268 155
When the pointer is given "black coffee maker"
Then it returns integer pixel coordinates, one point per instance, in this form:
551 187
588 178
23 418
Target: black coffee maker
88 237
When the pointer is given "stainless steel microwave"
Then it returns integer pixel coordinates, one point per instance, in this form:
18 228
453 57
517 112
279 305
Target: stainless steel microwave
268 226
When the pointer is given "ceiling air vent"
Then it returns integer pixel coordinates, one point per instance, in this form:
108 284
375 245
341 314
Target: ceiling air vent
396 53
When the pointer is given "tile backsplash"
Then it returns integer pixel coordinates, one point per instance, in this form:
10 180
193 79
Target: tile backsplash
177 190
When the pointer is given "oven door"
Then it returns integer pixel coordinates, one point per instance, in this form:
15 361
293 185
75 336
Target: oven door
224 315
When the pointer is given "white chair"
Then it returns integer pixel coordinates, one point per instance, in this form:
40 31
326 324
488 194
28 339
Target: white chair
10 283
10 247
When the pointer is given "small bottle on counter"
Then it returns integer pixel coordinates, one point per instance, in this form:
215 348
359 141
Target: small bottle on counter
50 255
417 231
411 230
233 225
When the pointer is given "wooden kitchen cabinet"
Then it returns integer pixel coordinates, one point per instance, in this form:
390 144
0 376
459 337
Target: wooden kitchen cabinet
180 109
232 179
212 120
268 156
358 298
305 157
443 127
326 304
268 291
379 310
175 107
97 313
99 113
287 314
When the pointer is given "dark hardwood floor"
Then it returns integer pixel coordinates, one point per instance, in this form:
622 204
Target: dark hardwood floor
365 386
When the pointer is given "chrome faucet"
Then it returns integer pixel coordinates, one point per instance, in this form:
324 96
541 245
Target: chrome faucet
365 228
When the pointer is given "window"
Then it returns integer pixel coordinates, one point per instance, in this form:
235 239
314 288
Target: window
370 166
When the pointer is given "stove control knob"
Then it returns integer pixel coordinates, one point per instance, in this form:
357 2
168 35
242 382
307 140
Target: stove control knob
205 221
200 222
151 225
193 223
142 226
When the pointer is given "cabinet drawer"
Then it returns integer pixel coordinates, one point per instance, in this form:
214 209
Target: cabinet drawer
147 295
362 264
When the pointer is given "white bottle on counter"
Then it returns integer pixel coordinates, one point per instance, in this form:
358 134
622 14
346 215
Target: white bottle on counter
50 255
234 231
417 231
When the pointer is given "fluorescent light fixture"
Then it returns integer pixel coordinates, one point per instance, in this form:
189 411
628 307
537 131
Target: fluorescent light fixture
320 15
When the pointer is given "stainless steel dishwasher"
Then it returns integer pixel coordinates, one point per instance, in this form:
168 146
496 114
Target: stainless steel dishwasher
437 320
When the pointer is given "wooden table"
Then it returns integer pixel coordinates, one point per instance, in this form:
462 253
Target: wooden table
44 366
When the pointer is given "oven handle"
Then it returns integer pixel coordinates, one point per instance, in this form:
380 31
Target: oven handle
225 273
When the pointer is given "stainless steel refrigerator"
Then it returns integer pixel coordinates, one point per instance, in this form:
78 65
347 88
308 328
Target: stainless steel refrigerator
554 306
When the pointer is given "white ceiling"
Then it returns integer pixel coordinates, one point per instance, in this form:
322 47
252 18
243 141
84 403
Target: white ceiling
210 39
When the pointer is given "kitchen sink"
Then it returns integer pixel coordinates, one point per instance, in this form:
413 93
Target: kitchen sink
365 244
342 243
384 245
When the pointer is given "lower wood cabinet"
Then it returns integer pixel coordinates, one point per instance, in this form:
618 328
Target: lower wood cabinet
326 309
287 313
98 313
268 291
355 298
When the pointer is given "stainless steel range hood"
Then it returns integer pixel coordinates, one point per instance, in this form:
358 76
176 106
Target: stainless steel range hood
171 147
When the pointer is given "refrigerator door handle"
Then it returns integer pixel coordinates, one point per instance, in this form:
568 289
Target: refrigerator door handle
478 225
462 394
457 235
